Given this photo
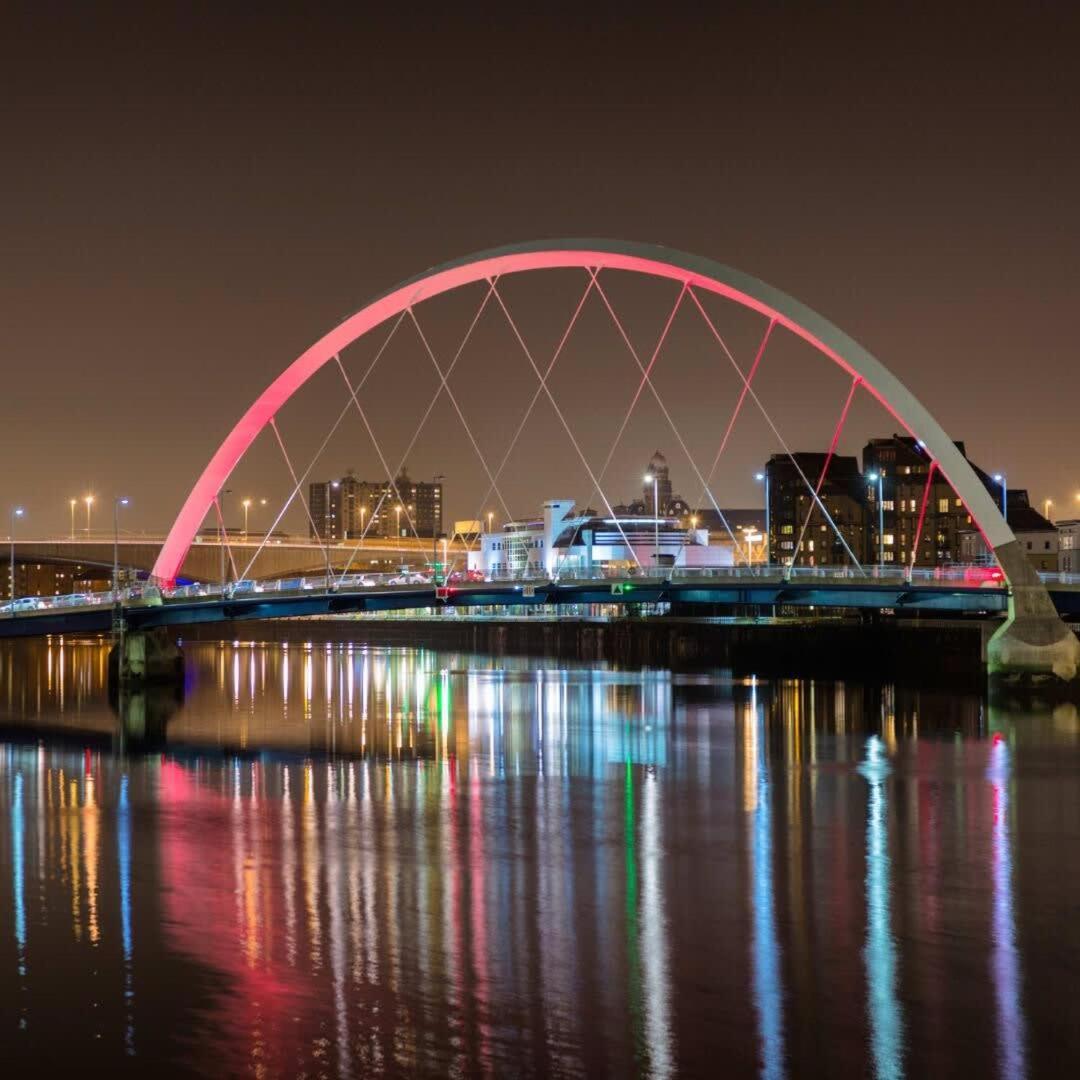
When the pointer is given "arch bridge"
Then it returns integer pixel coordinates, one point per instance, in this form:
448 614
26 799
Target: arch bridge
1032 637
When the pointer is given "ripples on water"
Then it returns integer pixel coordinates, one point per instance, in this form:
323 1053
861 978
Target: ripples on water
342 861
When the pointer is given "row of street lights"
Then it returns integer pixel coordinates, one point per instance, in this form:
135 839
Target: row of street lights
18 512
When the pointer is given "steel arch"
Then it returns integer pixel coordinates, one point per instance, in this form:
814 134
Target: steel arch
650 259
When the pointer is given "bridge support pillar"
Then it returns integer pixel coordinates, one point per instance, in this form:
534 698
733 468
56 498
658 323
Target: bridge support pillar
146 657
1033 642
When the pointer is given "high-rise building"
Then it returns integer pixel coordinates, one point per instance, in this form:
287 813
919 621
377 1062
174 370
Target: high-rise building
799 532
349 508
912 497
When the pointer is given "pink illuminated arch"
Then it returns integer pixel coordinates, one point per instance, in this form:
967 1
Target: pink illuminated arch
692 270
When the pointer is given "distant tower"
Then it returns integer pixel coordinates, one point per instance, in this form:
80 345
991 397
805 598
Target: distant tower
658 467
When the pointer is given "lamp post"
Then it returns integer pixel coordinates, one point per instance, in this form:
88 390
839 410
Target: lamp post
72 503
89 500
16 513
120 500
764 478
1000 479
246 504
397 526
1047 503
491 517
651 478
880 478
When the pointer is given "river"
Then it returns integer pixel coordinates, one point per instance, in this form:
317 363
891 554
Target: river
328 859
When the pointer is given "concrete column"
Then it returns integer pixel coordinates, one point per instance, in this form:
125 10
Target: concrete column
1033 641
144 657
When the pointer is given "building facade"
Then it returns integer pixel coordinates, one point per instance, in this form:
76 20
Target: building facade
799 532
1069 546
924 519
349 508
562 541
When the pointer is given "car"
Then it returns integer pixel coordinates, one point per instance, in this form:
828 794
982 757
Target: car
457 577
986 577
23 603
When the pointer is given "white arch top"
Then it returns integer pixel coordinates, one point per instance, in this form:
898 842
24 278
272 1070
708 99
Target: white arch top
651 259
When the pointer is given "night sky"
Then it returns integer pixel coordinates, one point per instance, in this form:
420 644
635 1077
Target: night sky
189 202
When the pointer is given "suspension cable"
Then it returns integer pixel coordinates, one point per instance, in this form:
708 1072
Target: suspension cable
457 408
318 453
224 534
739 404
922 517
646 377
776 431
566 427
856 380
307 509
626 420
419 427
536 394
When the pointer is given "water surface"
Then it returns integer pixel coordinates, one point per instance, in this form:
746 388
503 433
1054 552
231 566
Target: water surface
333 860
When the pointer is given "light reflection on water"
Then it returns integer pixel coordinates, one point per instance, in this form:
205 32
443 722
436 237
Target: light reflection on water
354 861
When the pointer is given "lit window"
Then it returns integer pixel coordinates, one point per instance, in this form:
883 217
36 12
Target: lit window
889 539
943 506
787 530
887 504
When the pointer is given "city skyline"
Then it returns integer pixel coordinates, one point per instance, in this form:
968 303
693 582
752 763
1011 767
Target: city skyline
165 269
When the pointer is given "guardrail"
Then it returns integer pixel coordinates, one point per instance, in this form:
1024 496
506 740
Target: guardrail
147 594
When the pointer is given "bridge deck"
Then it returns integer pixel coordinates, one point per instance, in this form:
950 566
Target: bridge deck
254 601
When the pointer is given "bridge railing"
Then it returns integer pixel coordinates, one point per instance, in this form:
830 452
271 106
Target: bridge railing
147 593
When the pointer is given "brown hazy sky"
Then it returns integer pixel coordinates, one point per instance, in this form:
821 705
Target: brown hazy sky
188 201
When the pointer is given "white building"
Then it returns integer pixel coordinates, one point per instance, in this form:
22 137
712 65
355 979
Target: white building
1069 546
564 543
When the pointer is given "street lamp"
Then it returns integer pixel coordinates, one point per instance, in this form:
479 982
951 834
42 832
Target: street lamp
763 477
1047 503
652 478
89 500
16 513
72 503
246 504
1000 479
397 512
880 478
491 517
120 500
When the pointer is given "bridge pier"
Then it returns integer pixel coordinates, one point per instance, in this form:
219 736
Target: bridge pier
145 657
1033 642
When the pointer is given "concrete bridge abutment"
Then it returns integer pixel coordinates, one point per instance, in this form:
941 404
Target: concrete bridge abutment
143 658
1033 643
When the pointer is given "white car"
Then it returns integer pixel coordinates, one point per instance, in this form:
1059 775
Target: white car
23 603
